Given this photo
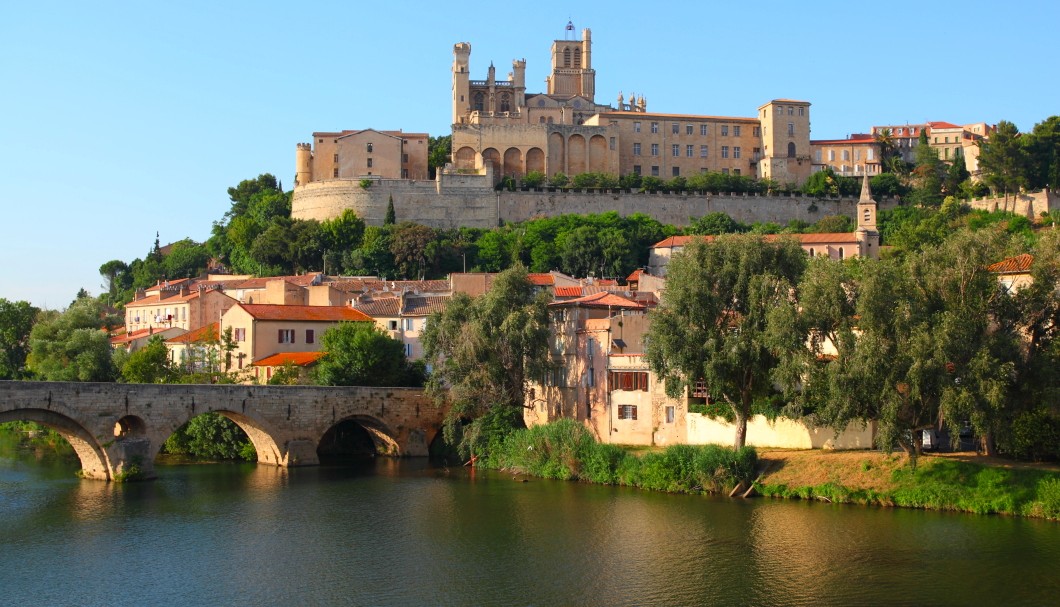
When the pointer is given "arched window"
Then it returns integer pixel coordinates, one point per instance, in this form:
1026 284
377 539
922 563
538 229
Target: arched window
867 215
811 251
791 149
541 120
566 57
840 252
479 103
506 103
577 59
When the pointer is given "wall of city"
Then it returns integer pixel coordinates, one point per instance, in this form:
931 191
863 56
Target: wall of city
1029 205
466 200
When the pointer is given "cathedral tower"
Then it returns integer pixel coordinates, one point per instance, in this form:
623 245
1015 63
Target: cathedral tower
572 66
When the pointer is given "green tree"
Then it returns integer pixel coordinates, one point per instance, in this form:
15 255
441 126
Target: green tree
439 151
16 323
713 224
361 354
1003 159
72 345
928 174
718 317
533 179
833 224
956 174
211 436
485 352
150 364
1042 146
186 258
391 215
409 249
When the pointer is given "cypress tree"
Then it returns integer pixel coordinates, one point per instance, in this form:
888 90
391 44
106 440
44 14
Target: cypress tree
391 216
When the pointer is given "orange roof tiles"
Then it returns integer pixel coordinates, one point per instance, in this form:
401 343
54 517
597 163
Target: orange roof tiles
1020 264
541 280
304 313
203 333
299 359
601 300
635 275
818 238
943 125
568 292
424 306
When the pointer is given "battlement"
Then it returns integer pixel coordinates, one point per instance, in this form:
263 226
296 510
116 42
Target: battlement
306 147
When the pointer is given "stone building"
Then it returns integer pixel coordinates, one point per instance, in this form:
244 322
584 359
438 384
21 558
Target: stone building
361 154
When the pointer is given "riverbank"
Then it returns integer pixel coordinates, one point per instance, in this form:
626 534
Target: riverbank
954 482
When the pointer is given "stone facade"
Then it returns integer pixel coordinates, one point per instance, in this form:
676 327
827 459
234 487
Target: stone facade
115 426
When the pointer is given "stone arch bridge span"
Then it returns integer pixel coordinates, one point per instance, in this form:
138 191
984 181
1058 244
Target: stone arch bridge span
117 428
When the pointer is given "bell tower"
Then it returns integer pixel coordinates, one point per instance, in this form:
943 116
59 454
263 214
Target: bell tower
868 237
461 83
572 66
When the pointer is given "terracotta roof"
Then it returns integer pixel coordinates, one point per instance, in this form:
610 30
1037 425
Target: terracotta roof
670 116
126 337
381 307
203 333
635 275
424 306
568 291
607 282
821 238
1020 264
943 125
299 359
154 300
848 141
364 285
304 313
541 280
601 300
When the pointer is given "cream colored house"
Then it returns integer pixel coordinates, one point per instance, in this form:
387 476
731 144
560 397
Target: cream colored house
197 351
854 156
261 330
177 307
402 315
360 154
1014 273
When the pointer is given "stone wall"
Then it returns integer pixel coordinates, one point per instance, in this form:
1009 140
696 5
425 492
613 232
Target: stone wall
1030 205
780 433
466 201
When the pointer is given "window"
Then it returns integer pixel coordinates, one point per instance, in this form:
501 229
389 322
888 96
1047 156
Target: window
239 334
857 155
735 130
791 110
702 151
408 324
655 127
612 144
636 149
590 378
478 105
285 336
636 169
724 151
336 158
506 103
393 324
724 130
780 110
655 170
688 130
369 148
736 151
310 336
791 128
870 154
335 172
408 350
846 154
840 252
627 412
404 158
831 155
690 151
757 153
802 111
675 150
635 381
867 215
675 128
736 171
670 414
702 129
655 149
675 171
756 131
725 171
817 155
636 127
369 163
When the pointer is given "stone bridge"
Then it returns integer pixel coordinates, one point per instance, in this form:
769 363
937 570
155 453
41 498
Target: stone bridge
119 428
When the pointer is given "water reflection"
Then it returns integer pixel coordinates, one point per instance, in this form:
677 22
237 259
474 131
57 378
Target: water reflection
397 532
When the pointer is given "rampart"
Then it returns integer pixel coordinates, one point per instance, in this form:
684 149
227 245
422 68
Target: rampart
457 200
1029 204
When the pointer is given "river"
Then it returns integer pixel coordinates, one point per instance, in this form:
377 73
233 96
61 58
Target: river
396 532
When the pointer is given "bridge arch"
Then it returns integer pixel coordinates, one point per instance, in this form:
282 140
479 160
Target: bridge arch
260 435
94 460
336 438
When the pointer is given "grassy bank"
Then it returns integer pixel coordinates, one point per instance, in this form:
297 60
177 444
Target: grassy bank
566 450
937 483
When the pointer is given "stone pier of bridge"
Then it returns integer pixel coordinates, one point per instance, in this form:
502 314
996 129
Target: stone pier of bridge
118 429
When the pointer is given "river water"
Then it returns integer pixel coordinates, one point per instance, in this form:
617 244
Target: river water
403 533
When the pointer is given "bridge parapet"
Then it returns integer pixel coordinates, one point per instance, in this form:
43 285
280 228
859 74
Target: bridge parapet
117 429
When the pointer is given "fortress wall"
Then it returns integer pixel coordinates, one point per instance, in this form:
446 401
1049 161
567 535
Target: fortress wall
463 200
1029 205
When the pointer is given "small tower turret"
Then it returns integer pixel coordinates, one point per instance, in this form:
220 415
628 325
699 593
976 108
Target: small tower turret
303 164
868 237
461 83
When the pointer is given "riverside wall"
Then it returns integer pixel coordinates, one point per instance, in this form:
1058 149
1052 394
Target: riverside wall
468 201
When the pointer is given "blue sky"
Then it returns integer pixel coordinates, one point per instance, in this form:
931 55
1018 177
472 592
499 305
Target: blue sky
118 120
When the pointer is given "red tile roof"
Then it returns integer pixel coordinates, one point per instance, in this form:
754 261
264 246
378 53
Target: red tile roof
425 306
299 359
1020 264
601 300
203 333
568 291
943 125
380 307
541 280
124 338
635 275
820 238
305 313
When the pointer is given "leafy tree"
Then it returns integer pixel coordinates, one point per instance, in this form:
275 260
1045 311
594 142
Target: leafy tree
719 317
713 224
361 354
533 179
16 323
287 375
827 183
650 183
485 352
72 345
374 257
186 258
1042 146
439 151
833 224
409 248
886 185
111 272
559 180
150 364
956 174
1003 160
928 173
211 436
391 215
